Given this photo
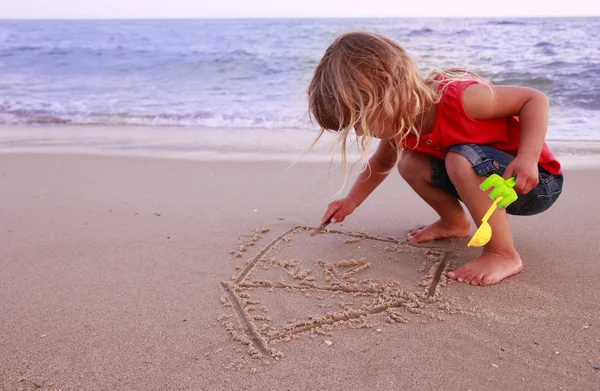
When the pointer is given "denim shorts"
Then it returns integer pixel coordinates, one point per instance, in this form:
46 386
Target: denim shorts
486 161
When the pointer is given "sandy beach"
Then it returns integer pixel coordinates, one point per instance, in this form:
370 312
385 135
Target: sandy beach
121 273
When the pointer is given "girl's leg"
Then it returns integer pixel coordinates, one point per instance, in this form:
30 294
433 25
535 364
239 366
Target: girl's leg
416 169
499 259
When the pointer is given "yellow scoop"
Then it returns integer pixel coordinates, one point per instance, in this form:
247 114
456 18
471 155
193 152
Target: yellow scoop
503 190
484 232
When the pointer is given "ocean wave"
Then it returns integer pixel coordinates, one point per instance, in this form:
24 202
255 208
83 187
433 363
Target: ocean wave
119 50
254 73
544 44
558 65
217 121
505 23
548 52
523 78
464 33
419 32
165 62
26 48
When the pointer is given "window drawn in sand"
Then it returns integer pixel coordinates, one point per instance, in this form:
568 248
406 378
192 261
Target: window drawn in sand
298 284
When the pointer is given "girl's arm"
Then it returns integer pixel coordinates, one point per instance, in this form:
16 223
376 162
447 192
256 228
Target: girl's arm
380 163
532 106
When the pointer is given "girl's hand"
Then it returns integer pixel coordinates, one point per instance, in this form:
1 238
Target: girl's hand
338 210
527 173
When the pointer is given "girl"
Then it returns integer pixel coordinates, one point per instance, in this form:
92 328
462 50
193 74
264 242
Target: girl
453 130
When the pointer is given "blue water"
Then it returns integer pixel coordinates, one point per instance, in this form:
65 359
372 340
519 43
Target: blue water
253 74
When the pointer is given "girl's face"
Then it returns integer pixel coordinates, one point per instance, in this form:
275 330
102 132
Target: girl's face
380 126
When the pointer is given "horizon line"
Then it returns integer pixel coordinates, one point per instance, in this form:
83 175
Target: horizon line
104 18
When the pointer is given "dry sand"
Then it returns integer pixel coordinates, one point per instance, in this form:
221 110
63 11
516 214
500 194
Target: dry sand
121 273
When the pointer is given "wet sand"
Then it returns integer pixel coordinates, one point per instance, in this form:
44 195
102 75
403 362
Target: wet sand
132 273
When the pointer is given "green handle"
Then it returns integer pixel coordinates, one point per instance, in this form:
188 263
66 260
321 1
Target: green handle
502 188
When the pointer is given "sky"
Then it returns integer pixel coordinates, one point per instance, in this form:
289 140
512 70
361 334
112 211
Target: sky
76 9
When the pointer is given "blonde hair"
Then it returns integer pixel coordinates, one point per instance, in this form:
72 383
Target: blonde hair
363 75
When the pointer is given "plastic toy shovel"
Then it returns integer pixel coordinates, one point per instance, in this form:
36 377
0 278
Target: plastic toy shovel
503 195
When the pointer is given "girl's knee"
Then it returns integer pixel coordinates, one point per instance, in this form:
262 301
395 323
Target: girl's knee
458 165
413 166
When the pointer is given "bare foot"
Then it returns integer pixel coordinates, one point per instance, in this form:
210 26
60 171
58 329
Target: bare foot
488 269
442 230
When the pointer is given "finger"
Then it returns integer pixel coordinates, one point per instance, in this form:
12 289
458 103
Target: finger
332 214
329 213
338 217
535 181
526 188
509 172
531 184
521 183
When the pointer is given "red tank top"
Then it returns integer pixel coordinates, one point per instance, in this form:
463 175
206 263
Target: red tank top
453 126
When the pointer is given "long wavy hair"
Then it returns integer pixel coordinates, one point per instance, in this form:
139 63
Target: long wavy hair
365 75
